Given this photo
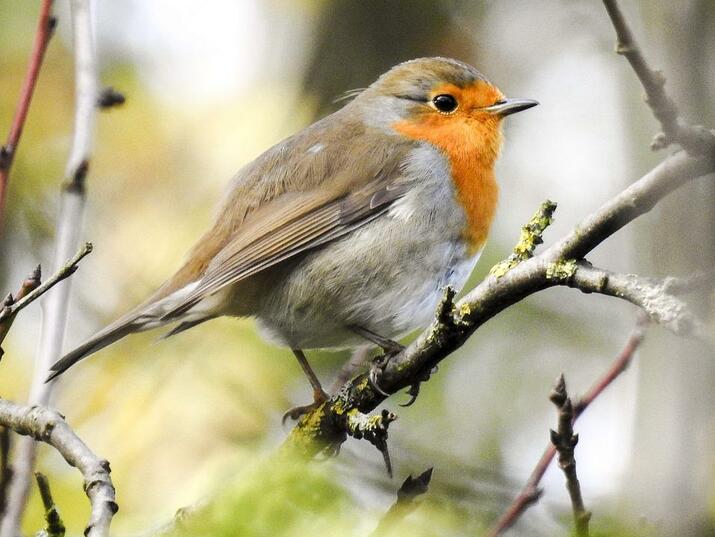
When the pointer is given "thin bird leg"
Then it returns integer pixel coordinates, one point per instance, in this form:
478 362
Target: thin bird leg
319 395
389 346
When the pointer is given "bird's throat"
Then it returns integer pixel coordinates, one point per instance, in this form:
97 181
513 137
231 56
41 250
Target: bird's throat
472 148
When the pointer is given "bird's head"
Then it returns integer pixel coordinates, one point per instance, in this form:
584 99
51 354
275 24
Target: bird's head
442 101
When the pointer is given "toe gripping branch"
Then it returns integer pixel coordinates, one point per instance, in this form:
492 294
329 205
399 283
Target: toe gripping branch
446 323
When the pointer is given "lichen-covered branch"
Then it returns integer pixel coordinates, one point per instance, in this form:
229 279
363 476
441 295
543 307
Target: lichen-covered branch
531 492
696 140
45 425
651 294
455 323
565 441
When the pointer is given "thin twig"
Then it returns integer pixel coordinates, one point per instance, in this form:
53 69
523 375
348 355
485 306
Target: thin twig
28 285
411 489
69 268
695 140
5 468
565 441
55 527
68 229
45 425
531 492
45 29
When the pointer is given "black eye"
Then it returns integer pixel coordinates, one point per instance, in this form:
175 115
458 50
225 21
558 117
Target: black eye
445 103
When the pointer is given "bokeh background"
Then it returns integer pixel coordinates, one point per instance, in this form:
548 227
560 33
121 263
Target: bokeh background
209 86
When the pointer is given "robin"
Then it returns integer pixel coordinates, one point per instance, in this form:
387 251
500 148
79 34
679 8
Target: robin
347 232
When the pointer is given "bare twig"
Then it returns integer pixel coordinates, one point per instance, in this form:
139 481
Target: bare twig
69 268
411 489
55 527
565 441
48 426
69 224
45 28
696 140
531 492
7 316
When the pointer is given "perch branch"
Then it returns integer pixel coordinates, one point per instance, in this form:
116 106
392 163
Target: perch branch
43 424
531 493
68 229
45 28
565 441
455 323
695 140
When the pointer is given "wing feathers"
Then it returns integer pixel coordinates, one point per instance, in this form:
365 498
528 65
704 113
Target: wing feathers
308 230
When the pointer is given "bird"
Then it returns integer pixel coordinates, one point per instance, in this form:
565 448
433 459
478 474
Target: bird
347 232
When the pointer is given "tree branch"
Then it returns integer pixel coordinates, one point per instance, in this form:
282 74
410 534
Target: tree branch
695 140
45 29
69 225
32 289
650 294
564 440
48 426
531 493
455 323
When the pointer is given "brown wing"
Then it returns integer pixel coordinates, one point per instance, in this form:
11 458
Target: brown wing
295 222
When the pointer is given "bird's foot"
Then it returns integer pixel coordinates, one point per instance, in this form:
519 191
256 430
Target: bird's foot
414 389
319 397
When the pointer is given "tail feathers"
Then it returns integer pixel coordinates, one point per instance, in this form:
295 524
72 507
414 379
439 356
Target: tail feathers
101 339
185 326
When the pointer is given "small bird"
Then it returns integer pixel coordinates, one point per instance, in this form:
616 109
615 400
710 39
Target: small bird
347 232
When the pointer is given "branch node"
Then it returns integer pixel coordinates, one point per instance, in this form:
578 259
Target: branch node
110 98
373 429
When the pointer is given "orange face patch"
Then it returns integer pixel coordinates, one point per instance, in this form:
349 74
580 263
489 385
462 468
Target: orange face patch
471 139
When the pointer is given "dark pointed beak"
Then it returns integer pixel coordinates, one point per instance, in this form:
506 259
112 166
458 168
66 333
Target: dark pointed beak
506 107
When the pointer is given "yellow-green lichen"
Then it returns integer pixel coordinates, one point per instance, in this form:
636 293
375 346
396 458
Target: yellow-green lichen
529 239
561 270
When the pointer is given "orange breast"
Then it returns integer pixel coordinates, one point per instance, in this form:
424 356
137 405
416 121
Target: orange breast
471 142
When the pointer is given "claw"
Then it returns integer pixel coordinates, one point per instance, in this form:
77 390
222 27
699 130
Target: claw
319 397
413 392
378 365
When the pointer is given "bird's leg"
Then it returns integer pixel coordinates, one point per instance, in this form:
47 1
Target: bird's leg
319 395
388 346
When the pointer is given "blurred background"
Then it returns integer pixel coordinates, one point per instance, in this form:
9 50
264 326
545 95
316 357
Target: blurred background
209 87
